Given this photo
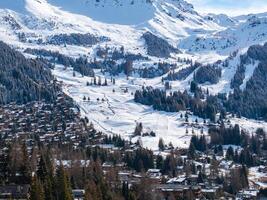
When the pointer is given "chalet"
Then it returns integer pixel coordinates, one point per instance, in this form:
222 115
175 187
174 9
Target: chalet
20 192
130 177
124 176
107 166
178 191
154 173
212 192
263 179
120 166
247 194
263 169
179 180
78 194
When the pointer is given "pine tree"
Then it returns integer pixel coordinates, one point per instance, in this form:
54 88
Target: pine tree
193 87
220 150
94 80
92 191
161 145
191 151
244 176
42 171
159 162
128 68
203 143
25 165
264 145
37 191
63 188
99 81
200 178
230 153
49 188
138 129
125 190
106 82
255 147
45 175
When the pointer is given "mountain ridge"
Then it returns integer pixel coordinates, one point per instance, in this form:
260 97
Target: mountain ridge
174 20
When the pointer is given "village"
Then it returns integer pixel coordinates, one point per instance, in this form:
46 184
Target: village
171 173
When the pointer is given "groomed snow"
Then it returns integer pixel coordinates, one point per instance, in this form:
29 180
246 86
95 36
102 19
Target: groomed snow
118 113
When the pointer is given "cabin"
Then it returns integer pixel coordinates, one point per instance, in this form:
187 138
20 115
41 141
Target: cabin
16 192
78 194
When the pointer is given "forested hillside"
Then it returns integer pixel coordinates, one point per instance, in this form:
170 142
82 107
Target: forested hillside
251 102
23 80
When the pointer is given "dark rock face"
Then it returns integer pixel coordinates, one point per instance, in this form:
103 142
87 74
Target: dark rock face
23 80
157 46
75 39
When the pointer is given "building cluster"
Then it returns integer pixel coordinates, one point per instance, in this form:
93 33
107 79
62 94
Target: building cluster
188 185
60 123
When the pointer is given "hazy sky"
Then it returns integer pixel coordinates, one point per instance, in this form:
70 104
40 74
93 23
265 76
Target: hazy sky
230 7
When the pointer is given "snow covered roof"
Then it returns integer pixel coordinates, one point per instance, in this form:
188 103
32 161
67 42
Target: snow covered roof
176 180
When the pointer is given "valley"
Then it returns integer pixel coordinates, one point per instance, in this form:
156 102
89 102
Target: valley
137 100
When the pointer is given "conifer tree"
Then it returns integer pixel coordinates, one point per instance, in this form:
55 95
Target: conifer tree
37 191
25 165
92 191
125 190
159 162
230 153
161 144
63 188
191 151
264 145
106 82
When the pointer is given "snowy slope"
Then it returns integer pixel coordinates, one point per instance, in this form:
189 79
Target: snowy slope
124 22
203 38
170 19
125 12
241 35
117 113
222 20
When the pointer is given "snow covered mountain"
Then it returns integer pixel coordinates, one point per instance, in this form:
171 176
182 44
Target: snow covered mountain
163 38
118 20
125 21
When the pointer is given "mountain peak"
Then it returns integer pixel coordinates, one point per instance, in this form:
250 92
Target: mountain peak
124 12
